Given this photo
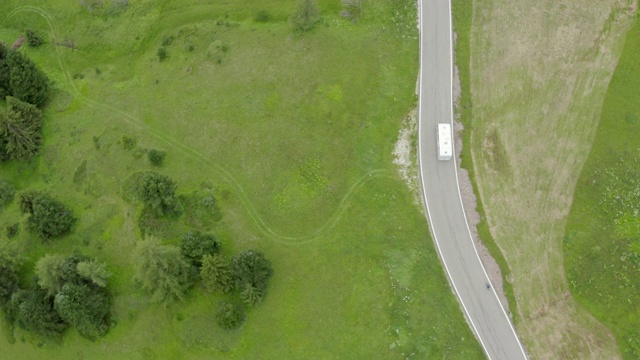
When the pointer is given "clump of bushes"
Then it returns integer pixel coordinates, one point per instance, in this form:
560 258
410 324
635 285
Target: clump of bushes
162 54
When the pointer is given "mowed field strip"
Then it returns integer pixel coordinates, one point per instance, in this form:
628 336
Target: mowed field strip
539 72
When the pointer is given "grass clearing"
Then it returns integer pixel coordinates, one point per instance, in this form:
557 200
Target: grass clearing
292 134
539 72
602 240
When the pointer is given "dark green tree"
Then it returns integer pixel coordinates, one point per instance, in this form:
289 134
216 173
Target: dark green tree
306 15
161 270
251 268
26 81
230 316
85 308
215 273
28 113
10 263
156 157
33 38
48 217
251 295
7 192
158 193
5 74
194 245
20 140
33 310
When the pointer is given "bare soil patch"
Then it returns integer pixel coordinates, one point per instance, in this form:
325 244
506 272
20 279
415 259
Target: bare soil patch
539 74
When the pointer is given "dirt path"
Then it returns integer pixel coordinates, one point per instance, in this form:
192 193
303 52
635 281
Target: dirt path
539 75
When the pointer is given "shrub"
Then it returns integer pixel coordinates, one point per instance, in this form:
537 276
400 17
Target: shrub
167 40
306 15
48 217
156 157
230 316
128 142
93 271
50 275
262 16
33 38
12 230
162 54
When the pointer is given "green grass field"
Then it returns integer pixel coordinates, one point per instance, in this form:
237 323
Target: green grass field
602 241
293 134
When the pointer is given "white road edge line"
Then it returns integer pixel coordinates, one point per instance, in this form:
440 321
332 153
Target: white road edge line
424 196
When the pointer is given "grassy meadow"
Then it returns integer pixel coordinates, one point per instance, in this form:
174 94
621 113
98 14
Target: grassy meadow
292 133
602 241
539 73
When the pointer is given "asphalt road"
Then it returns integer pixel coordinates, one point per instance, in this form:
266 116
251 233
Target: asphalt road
449 226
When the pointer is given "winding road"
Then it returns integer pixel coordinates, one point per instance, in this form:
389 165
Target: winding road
449 227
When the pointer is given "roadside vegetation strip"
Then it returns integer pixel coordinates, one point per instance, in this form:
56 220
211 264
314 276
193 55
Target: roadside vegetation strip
373 276
539 73
462 17
602 237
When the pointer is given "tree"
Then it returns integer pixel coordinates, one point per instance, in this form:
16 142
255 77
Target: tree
306 15
156 157
94 271
161 270
50 273
26 81
33 310
7 192
251 295
33 38
5 74
48 217
230 316
251 268
85 308
215 273
158 193
20 140
10 263
28 113
194 245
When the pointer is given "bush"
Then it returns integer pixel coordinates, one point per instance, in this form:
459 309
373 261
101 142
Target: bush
48 217
167 40
262 16
13 230
7 192
230 316
306 15
156 157
50 275
33 38
162 54
158 193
